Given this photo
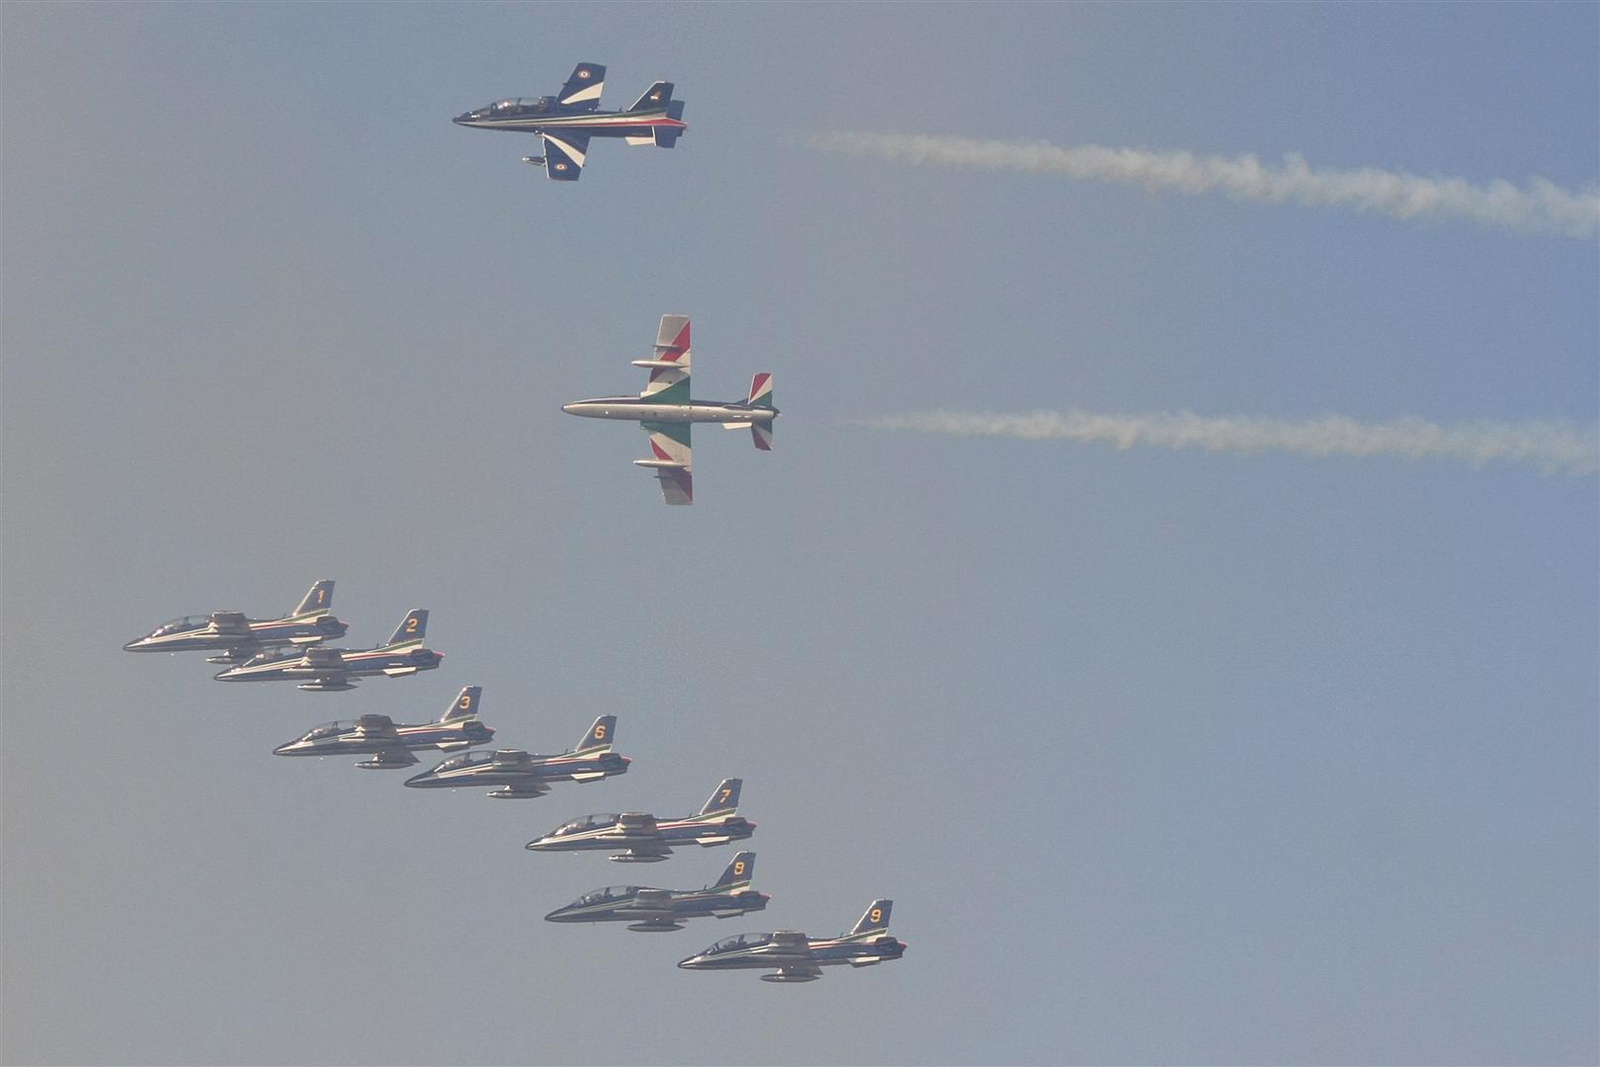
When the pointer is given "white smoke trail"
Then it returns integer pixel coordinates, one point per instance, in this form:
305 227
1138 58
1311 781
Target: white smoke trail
1551 447
1539 207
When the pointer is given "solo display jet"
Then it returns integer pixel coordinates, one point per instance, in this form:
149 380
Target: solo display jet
646 839
650 910
520 774
566 121
329 670
238 638
665 411
391 745
799 958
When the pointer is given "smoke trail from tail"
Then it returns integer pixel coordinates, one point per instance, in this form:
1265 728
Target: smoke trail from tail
1540 206
1550 447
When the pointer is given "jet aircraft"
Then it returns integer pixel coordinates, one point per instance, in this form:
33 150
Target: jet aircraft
649 910
646 839
799 958
238 638
328 670
521 774
566 121
665 411
390 745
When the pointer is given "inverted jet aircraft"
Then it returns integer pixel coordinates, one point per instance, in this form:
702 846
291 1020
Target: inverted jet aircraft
330 670
391 745
566 121
799 958
646 839
520 774
650 910
665 411
238 638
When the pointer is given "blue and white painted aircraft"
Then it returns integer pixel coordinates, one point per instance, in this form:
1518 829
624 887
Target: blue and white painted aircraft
238 638
799 958
521 774
566 121
650 910
665 411
646 839
328 670
391 745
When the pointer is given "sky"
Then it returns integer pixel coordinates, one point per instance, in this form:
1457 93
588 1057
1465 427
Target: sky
1165 754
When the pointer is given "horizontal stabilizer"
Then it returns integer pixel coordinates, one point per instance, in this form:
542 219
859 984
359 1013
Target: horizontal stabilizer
737 425
589 776
637 139
399 672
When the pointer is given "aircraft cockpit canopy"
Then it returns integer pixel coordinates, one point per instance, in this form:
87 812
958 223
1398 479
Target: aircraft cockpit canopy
610 892
728 944
330 729
466 759
589 822
188 622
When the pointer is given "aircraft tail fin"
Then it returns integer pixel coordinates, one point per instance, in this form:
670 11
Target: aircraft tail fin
412 629
723 798
739 872
600 736
319 601
876 918
658 96
760 390
584 86
464 706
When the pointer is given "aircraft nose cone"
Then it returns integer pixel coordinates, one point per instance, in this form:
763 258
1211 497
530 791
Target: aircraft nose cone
420 779
558 916
134 645
462 118
536 846
226 675
568 408
285 749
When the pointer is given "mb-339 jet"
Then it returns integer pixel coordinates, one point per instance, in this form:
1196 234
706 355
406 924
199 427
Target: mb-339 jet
665 411
566 121
799 958
390 745
238 638
329 670
651 910
520 774
646 839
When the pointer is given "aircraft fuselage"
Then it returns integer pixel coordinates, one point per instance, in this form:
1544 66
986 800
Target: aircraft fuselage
642 409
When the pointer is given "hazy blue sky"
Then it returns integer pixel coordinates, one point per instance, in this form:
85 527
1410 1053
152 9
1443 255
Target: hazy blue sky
1165 757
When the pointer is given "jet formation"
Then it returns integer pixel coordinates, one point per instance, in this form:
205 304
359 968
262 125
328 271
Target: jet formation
649 910
293 647
565 122
517 774
642 838
666 412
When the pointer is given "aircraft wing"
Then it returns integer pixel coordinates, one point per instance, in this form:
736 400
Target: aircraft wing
564 155
651 905
671 460
377 728
637 824
230 624
396 756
